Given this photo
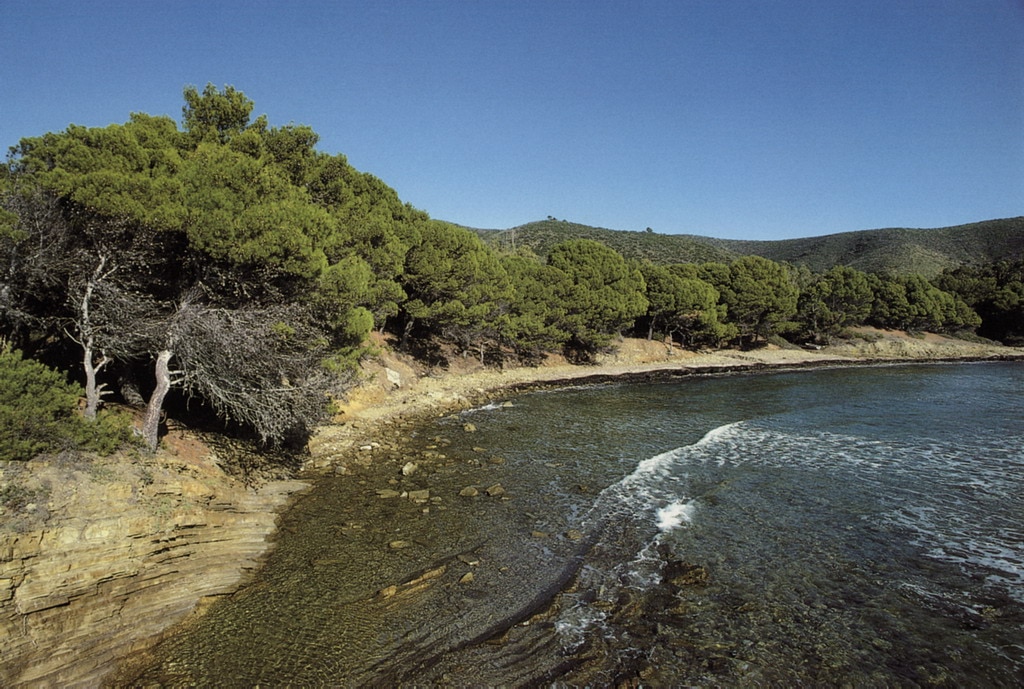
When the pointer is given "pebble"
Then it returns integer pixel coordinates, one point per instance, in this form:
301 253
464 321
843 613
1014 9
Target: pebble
469 492
467 578
399 545
496 490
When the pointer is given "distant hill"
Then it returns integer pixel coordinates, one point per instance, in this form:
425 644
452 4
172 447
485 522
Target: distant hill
894 250
540 236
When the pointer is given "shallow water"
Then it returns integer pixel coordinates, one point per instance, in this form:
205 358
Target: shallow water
849 526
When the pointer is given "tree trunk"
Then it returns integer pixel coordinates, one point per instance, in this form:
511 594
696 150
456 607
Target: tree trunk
151 423
93 392
406 331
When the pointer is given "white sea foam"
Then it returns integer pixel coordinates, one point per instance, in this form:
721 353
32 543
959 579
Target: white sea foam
674 515
490 406
575 623
660 464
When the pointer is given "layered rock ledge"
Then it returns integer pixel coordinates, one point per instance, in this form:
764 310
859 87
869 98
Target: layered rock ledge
121 551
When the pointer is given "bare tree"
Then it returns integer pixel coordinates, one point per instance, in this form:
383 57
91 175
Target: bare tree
110 322
34 254
260 367
124 292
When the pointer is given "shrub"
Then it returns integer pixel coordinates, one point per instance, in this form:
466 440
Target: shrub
37 408
38 413
111 431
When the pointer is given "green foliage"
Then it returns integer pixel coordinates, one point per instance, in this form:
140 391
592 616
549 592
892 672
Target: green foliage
110 431
536 313
682 305
892 251
541 237
38 413
603 296
913 303
216 115
457 287
227 214
760 295
37 407
120 171
835 300
996 293
143 239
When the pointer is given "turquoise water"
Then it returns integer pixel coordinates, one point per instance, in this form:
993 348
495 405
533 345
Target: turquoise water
854 526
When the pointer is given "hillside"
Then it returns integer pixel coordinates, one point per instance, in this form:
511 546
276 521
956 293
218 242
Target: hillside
893 250
540 236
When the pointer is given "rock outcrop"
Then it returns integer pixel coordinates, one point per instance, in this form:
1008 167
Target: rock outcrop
125 549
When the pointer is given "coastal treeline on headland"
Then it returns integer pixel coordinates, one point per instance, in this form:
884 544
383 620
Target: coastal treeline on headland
227 261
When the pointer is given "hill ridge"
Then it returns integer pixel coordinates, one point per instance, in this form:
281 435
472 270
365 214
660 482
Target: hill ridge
894 250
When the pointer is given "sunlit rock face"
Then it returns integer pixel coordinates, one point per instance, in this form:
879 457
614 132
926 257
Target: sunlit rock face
118 560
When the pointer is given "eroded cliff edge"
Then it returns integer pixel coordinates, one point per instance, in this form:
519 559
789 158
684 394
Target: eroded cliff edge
103 555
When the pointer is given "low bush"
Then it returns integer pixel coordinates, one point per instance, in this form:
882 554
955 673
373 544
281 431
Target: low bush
39 413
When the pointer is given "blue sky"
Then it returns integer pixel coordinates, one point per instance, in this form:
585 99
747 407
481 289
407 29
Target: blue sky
751 119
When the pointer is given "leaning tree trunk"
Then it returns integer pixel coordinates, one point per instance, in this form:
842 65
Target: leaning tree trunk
93 391
151 423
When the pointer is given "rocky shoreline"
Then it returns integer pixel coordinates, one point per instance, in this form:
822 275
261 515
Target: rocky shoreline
394 390
120 550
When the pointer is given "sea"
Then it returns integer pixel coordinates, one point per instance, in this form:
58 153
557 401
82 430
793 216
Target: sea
850 527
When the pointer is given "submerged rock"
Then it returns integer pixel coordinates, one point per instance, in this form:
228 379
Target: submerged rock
684 574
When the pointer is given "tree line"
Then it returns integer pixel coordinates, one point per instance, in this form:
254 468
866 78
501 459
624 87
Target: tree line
232 263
